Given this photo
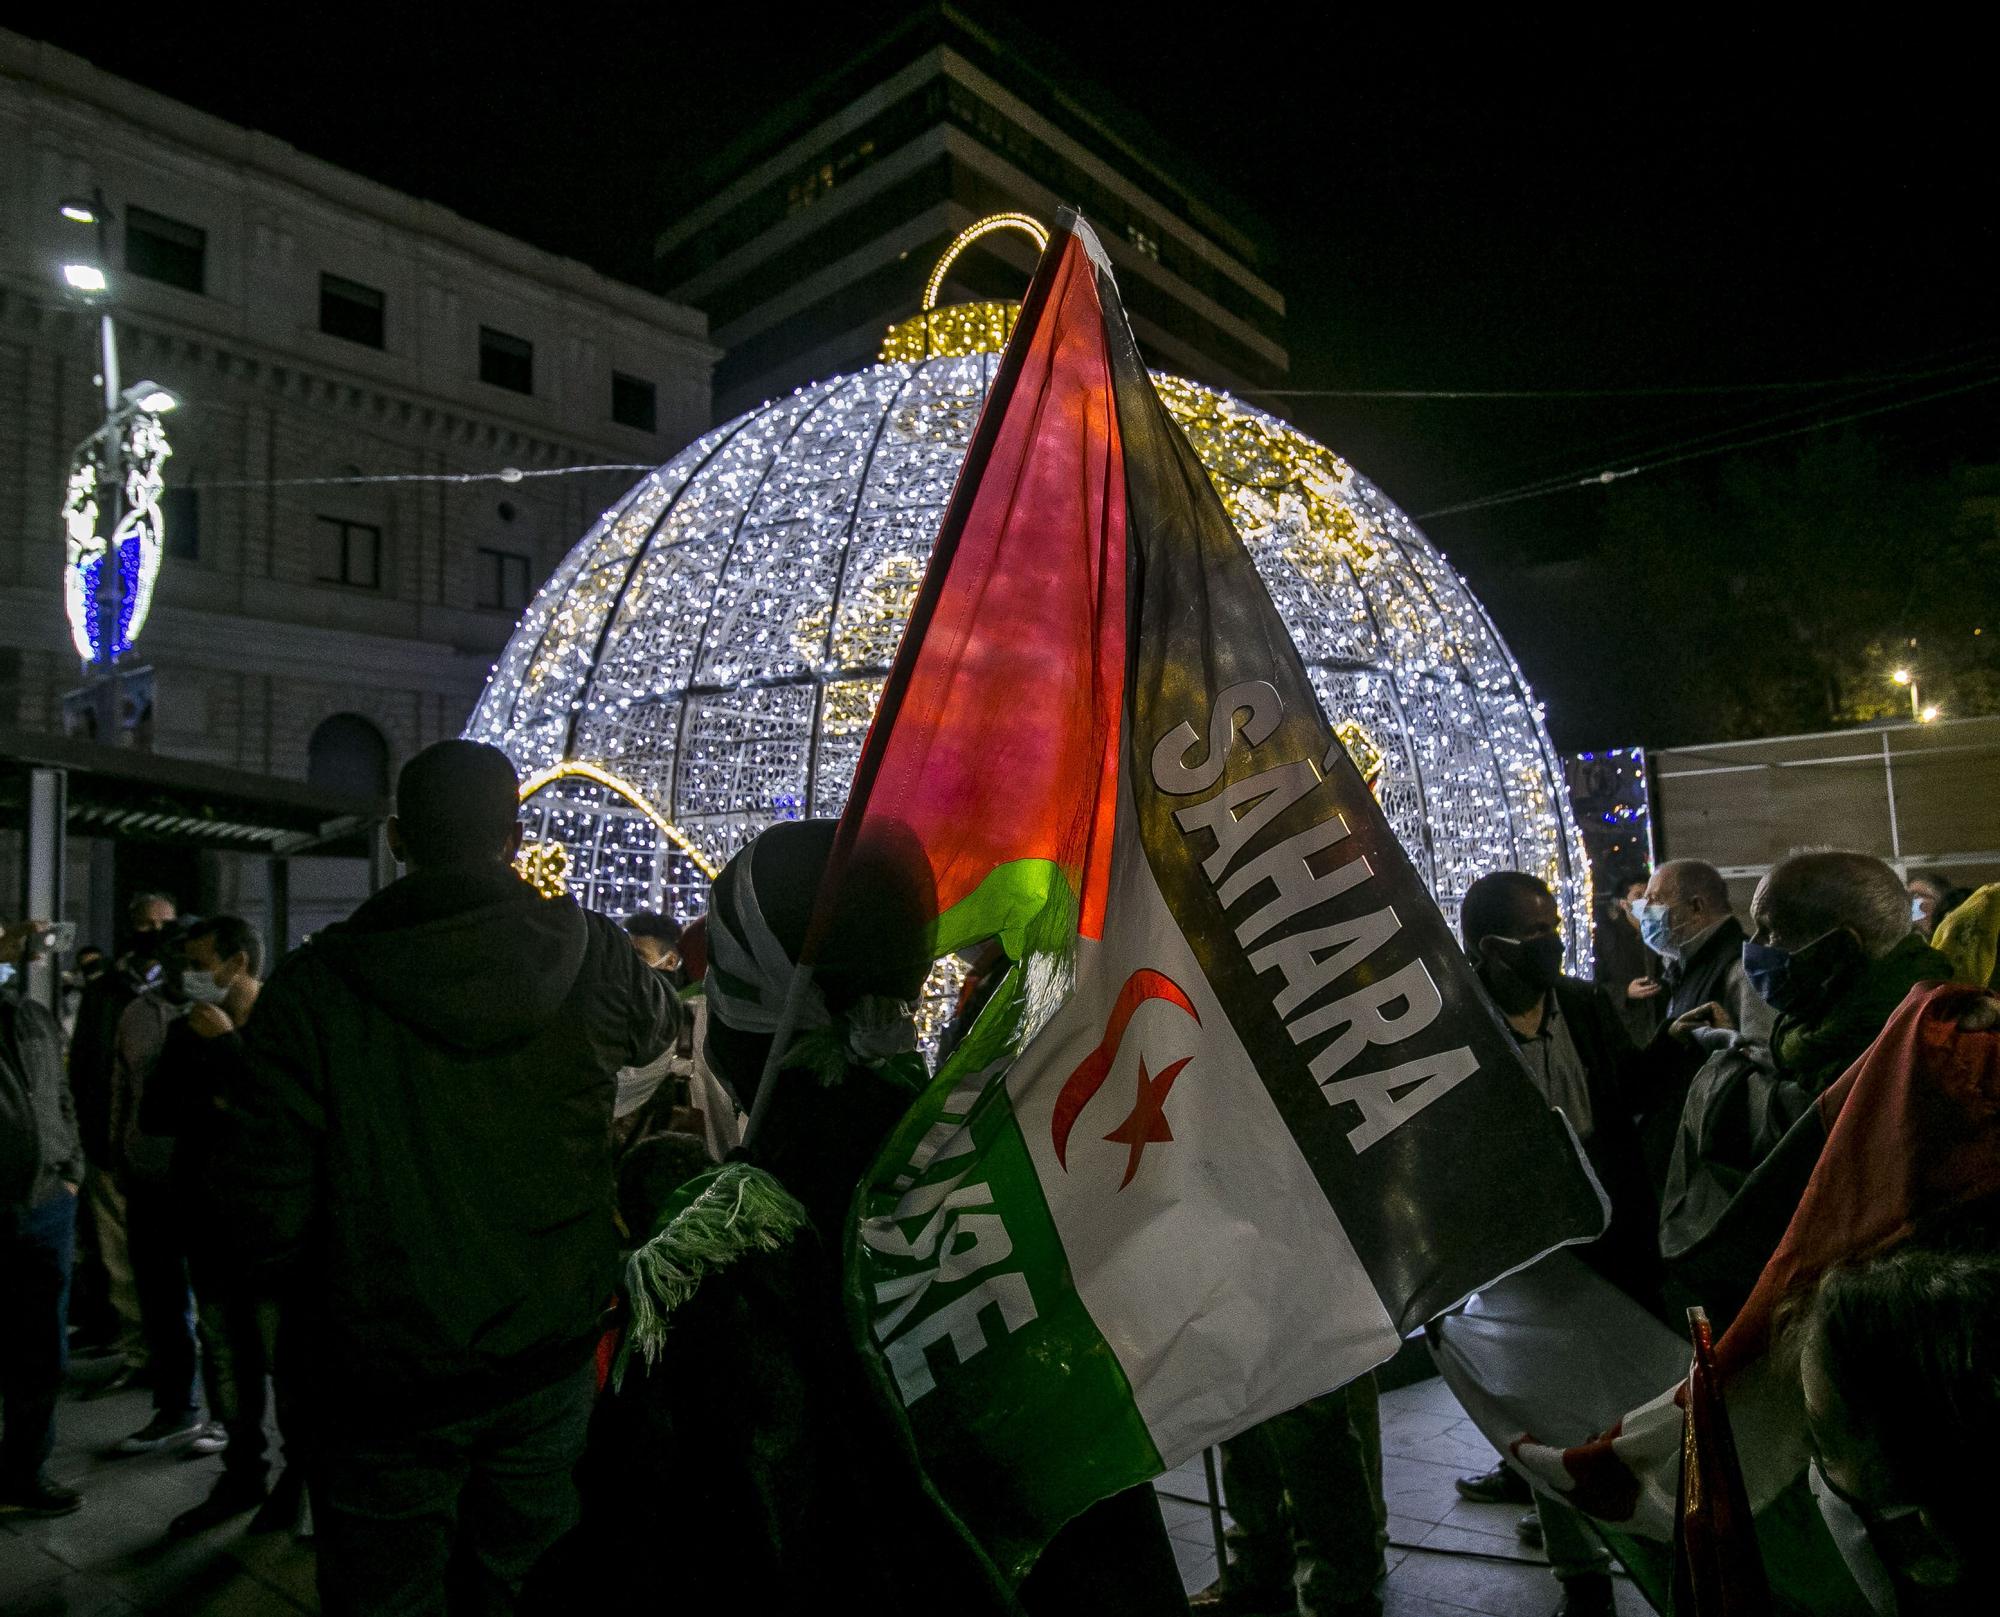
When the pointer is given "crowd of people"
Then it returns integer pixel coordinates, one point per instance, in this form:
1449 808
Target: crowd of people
387 1195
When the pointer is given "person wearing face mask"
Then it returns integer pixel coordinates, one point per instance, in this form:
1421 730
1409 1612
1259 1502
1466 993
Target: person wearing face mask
107 1301
1578 1056
155 1234
1685 918
1834 954
1903 1409
1626 966
201 1069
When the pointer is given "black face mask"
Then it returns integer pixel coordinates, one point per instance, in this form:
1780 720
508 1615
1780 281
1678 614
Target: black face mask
1518 972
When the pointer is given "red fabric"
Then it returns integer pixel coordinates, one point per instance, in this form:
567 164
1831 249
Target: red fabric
997 739
1913 1130
1718 1570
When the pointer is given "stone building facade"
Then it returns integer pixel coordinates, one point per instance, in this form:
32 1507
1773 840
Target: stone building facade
313 620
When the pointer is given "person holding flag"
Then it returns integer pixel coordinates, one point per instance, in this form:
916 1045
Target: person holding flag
1236 1117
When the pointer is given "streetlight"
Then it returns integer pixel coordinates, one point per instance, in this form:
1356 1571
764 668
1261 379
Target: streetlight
111 515
1907 678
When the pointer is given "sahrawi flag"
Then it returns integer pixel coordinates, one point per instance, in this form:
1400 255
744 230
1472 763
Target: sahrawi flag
1236 1119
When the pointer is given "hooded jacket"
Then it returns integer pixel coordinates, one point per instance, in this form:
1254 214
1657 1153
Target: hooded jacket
420 1143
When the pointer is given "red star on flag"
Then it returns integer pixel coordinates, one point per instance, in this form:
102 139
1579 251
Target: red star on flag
1148 1121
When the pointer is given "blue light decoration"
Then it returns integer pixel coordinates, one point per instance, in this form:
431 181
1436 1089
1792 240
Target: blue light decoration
1614 812
135 444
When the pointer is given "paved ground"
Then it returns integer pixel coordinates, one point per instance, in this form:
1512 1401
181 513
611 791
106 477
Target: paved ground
112 1558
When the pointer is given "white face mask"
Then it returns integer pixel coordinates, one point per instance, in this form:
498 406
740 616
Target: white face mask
202 988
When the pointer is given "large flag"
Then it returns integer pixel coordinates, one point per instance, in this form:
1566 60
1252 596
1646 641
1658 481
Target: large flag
1907 1145
1237 1119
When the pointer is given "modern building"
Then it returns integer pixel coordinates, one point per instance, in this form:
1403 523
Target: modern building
813 230
330 600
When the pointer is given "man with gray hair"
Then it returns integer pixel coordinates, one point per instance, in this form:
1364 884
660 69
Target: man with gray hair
1685 918
1834 954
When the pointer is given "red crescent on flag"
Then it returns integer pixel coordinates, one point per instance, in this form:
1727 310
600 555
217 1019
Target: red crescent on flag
1081 1085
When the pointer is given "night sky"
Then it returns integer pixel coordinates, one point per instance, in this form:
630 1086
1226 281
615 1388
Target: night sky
1672 200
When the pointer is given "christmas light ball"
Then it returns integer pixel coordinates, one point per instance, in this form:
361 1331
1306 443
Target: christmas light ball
706 659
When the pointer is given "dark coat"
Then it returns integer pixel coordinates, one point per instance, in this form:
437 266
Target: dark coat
1628 1252
422 1141
38 1141
93 1053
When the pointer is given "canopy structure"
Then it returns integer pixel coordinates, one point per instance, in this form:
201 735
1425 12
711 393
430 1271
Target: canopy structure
713 648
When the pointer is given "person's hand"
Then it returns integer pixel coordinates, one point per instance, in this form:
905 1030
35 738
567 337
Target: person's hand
15 936
1643 988
1683 1026
209 1021
69 1186
1982 1016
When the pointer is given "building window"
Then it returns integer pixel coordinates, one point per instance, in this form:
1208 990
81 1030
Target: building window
634 403
180 520
348 553
506 361
348 755
503 580
350 311
163 249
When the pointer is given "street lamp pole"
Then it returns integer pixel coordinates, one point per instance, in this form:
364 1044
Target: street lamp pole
111 501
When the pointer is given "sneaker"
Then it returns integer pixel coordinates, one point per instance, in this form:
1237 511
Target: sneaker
1500 1486
228 1499
162 1431
40 1495
1529 1529
211 1439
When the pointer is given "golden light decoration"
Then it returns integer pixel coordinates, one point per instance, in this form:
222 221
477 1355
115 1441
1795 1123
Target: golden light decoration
1026 224
715 646
957 328
597 775
544 866
1368 758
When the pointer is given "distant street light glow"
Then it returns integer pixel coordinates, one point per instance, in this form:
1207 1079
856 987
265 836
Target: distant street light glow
1931 714
79 212
84 277
1901 676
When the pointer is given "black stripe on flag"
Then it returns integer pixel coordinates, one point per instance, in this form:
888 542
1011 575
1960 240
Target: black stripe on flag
1439 1195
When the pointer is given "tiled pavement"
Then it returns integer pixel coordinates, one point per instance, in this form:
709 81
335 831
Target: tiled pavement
1447 1558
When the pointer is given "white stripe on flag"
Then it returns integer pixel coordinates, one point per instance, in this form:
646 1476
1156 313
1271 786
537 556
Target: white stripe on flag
1220 1275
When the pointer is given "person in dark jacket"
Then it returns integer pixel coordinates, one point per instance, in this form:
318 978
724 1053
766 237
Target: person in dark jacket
1625 966
1686 917
1578 1056
1834 953
107 1306
41 1163
422 1150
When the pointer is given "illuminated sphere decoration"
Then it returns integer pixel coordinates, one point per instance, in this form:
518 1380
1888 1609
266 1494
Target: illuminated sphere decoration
705 661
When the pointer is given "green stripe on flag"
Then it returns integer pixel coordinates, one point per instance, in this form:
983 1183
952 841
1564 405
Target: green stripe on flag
1017 1403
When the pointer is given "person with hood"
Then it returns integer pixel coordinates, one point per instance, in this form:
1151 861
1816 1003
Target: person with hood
745 1423
421 1153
